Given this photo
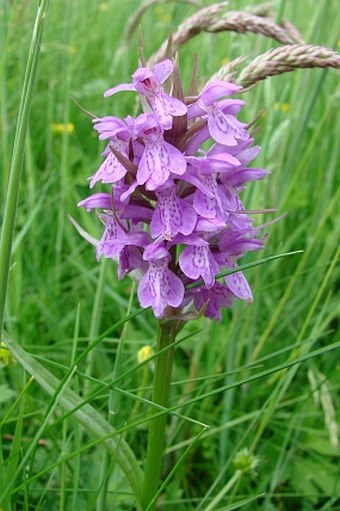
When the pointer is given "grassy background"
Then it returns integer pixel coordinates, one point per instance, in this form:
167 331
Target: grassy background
59 298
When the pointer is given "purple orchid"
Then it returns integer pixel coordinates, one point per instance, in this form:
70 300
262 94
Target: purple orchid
209 201
160 159
111 128
117 132
197 262
160 287
173 217
222 123
238 285
213 299
149 83
110 171
111 243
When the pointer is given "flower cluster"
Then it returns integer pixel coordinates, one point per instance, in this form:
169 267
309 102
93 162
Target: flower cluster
173 209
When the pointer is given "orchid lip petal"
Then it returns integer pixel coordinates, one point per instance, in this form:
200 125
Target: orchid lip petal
225 128
110 171
160 287
172 215
239 286
198 262
111 243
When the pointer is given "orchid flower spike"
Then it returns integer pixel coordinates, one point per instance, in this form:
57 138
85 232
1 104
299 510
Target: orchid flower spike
172 213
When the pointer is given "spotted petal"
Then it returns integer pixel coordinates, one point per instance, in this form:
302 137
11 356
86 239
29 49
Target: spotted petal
172 215
214 299
111 243
160 287
225 128
165 107
110 171
209 205
198 262
154 164
163 70
238 285
158 160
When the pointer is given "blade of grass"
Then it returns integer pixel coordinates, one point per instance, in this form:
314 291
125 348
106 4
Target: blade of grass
18 154
292 281
64 163
107 464
241 503
247 266
60 389
13 460
172 472
91 420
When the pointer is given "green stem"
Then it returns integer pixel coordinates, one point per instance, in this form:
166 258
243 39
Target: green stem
156 436
17 156
230 484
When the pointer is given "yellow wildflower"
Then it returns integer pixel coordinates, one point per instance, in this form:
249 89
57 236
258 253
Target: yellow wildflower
5 356
59 128
144 353
285 107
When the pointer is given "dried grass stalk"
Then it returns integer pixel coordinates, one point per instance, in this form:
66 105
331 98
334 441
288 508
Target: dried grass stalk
210 19
228 71
286 59
241 22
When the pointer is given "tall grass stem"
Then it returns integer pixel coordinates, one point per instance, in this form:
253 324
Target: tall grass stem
18 155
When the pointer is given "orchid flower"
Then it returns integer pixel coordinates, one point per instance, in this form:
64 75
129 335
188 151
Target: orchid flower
172 212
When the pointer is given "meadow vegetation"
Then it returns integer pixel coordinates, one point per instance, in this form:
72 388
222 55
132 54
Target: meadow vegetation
263 382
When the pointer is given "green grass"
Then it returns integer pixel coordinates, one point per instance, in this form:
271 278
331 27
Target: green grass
265 378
